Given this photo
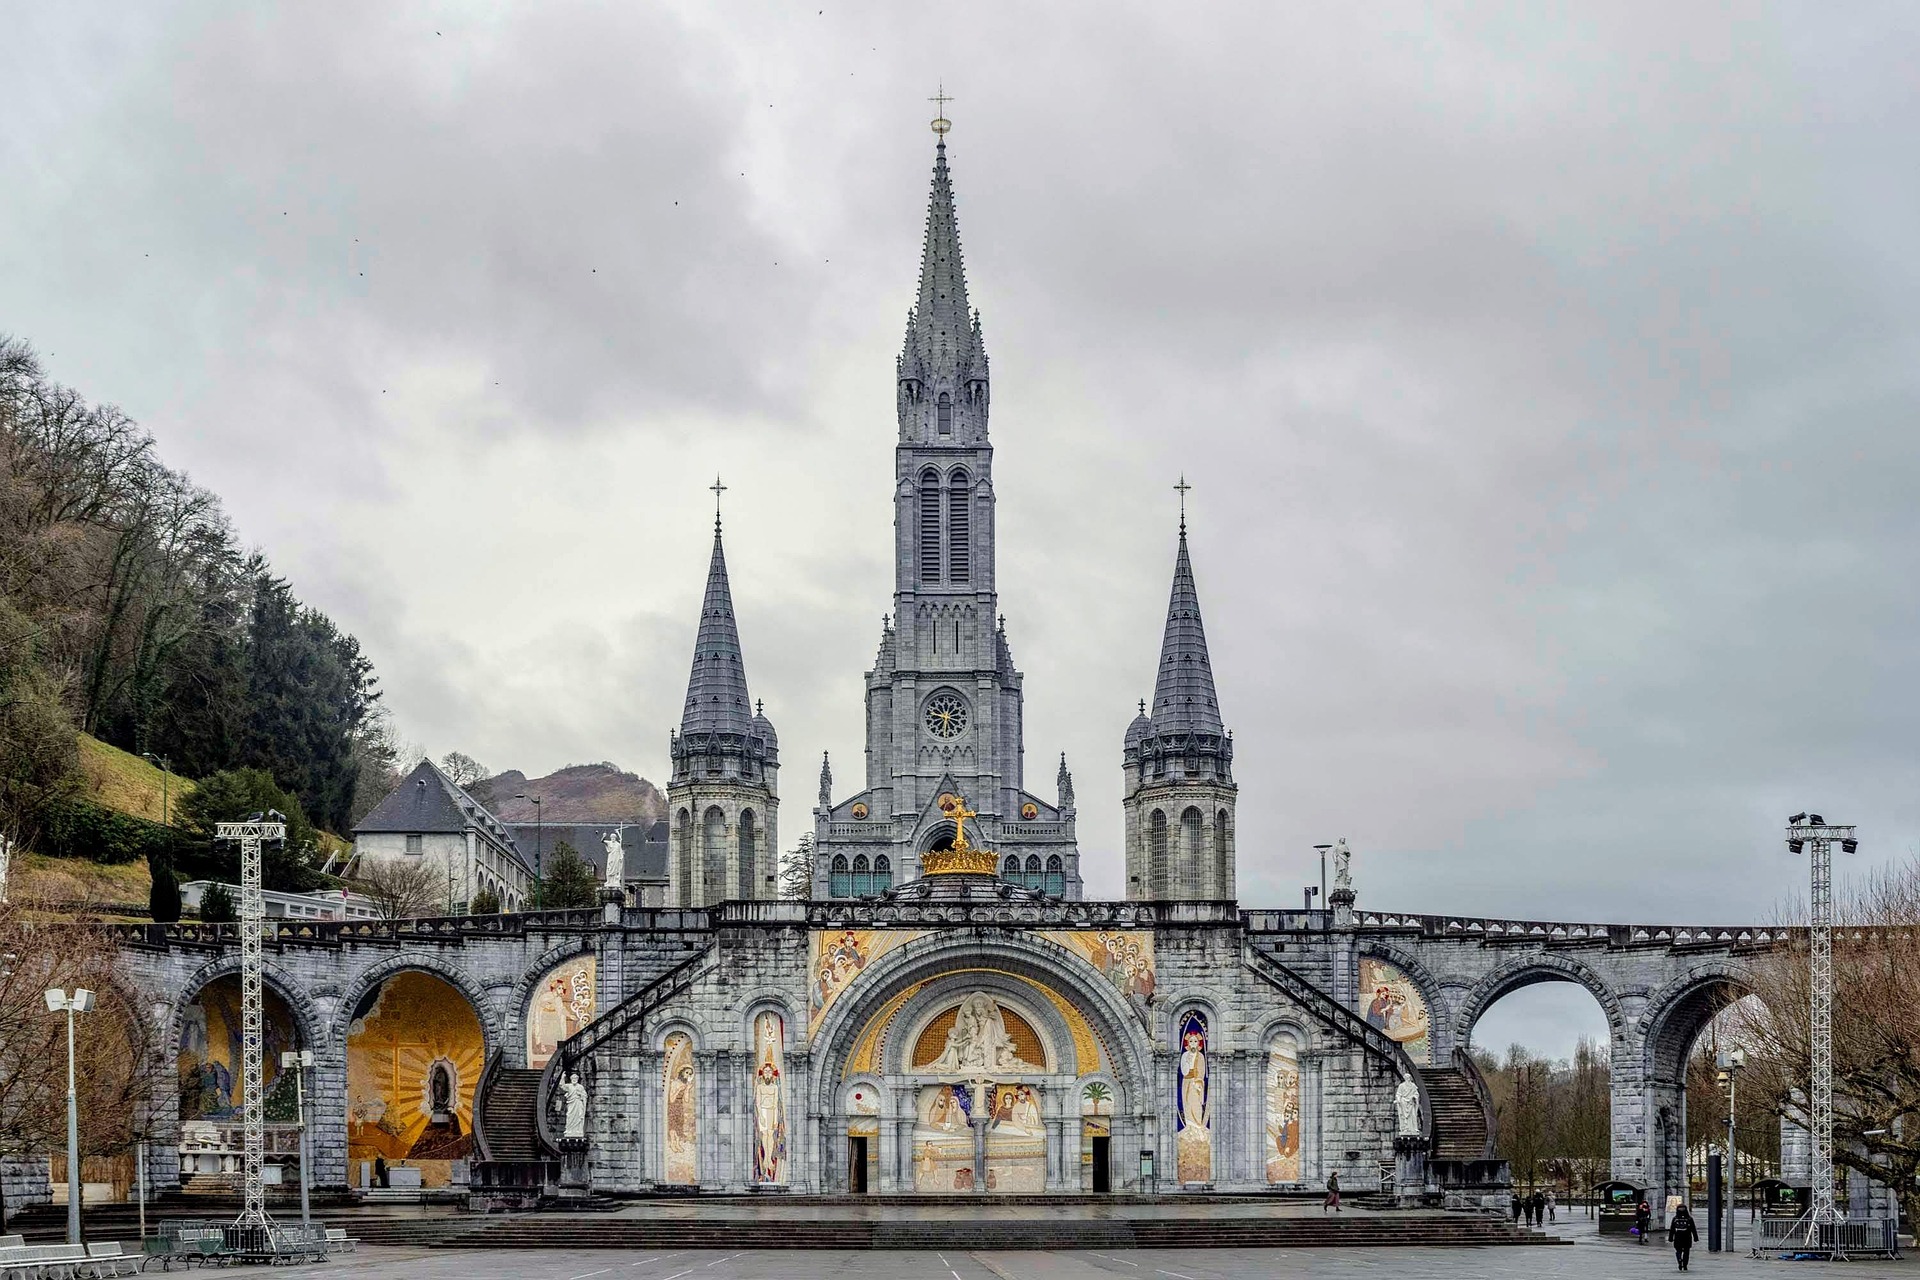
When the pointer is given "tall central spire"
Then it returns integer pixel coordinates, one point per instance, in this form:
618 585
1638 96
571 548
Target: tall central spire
1183 693
717 699
943 346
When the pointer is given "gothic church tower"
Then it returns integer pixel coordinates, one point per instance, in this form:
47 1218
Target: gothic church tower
724 796
1179 790
944 702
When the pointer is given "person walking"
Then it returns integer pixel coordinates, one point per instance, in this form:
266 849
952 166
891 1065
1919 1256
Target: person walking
1550 1206
1518 1206
1682 1231
1538 1203
1333 1193
1642 1222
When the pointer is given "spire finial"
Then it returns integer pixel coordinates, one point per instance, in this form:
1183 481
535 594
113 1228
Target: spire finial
940 122
1182 489
718 489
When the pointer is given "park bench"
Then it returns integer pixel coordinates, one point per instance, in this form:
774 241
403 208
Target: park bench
44 1262
338 1241
107 1258
184 1244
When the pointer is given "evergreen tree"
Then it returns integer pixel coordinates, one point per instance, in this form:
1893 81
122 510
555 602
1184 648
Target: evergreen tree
233 796
216 904
163 900
485 903
570 881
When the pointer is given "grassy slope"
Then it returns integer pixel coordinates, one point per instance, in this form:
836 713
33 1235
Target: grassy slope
117 780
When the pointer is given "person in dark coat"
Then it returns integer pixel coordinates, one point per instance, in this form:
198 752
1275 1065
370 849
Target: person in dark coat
1682 1231
1642 1222
1333 1193
1518 1206
1538 1204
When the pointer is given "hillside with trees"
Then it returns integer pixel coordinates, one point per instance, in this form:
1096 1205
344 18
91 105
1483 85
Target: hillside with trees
131 611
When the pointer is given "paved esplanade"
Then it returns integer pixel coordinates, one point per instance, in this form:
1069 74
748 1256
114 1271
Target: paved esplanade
1590 1260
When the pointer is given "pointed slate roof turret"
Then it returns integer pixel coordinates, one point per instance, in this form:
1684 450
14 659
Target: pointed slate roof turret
1183 695
942 330
717 699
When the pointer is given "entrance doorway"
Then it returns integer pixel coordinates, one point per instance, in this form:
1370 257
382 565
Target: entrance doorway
1102 1165
857 1166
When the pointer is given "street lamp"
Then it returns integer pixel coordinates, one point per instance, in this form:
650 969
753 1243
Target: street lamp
81 1001
539 843
1323 869
1729 1062
300 1062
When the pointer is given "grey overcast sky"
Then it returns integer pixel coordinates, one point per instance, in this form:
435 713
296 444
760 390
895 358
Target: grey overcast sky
1546 374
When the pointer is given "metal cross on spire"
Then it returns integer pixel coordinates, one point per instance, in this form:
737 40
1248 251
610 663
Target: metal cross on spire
940 122
1182 489
718 489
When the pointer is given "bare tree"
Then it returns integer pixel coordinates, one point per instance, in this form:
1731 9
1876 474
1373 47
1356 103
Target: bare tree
1876 1032
116 1047
796 871
402 888
463 769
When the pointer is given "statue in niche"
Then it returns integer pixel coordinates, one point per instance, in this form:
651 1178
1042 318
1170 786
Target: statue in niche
978 1040
440 1093
575 1096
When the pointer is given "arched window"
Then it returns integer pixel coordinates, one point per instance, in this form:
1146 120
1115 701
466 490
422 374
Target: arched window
837 885
1010 869
929 525
1157 855
683 849
959 527
862 877
943 413
1222 855
882 873
749 851
1033 871
713 856
1056 876
1193 863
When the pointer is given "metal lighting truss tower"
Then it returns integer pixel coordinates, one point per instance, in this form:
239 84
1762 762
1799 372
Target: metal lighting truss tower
253 914
1811 832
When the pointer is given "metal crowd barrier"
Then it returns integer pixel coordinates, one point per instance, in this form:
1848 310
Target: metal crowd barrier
1796 1237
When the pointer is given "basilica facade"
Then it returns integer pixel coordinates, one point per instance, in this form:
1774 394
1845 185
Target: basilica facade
948 1014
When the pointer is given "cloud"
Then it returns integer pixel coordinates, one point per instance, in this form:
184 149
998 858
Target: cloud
1548 380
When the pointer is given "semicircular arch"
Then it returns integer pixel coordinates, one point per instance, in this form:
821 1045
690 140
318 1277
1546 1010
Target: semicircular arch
1020 955
1527 971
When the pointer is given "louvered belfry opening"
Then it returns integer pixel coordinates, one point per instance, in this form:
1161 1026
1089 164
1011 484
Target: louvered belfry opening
959 527
929 525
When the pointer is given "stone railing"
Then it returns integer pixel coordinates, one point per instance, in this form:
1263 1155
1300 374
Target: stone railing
1051 914
333 933
1551 931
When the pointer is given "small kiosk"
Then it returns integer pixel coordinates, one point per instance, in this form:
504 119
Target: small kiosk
1777 1199
1619 1204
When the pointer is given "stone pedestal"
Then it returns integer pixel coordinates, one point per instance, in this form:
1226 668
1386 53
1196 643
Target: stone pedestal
574 1184
1410 1169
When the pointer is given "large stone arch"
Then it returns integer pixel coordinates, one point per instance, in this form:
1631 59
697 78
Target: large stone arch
1018 953
1529 969
900 1036
309 1018
492 1031
1671 1019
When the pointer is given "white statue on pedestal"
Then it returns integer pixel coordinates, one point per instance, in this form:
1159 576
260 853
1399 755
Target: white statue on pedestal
1342 869
1406 1100
575 1094
616 860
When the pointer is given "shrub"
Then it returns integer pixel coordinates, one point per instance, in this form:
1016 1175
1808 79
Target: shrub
485 903
216 904
80 829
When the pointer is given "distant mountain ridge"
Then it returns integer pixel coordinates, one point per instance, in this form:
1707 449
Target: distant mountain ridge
601 792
